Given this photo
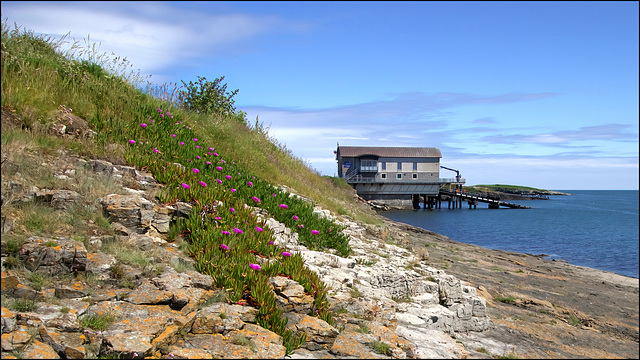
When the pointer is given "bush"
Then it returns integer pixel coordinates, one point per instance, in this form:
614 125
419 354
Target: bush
208 97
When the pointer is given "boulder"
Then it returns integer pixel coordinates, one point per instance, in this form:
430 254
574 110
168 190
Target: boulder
53 256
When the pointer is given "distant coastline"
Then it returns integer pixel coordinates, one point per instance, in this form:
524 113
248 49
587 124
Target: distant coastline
513 192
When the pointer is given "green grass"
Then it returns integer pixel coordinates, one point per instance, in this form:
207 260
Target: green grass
505 299
355 292
362 328
99 322
573 320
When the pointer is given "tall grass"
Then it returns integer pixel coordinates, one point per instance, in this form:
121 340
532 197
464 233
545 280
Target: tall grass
216 162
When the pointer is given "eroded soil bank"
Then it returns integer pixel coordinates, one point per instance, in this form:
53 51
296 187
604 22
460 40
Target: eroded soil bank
550 308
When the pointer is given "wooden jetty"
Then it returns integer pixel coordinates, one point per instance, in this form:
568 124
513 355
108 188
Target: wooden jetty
474 199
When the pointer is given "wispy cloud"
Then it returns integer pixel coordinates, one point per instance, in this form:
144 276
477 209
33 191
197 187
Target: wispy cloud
568 138
400 119
152 35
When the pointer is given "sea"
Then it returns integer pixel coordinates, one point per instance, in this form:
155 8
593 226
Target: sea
593 228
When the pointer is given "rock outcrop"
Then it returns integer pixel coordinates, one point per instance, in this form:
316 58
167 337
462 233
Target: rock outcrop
387 301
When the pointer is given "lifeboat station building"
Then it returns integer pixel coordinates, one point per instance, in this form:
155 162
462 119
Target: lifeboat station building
396 176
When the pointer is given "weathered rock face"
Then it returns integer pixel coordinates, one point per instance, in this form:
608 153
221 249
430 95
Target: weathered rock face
382 294
53 256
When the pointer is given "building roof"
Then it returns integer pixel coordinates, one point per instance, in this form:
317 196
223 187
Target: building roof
415 152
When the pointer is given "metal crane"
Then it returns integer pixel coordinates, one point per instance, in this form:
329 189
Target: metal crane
457 172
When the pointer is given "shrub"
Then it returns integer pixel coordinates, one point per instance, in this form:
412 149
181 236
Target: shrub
505 299
24 305
381 347
208 97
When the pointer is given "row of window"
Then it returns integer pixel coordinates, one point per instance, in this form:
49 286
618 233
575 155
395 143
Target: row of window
399 176
373 163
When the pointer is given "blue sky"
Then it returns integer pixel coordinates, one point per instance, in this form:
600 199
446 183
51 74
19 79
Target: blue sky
542 94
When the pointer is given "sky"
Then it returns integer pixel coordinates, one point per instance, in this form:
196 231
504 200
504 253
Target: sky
540 94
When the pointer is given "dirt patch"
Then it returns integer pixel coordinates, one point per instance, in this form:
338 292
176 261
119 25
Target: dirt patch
10 120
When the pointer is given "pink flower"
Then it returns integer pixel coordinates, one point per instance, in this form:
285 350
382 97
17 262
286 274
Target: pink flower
156 150
255 199
216 154
181 143
249 183
185 185
218 218
228 177
259 229
226 232
219 168
237 231
211 148
295 218
197 157
283 206
173 135
132 142
159 110
194 139
219 181
271 243
232 210
195 171
143 125
254 266
301 226
315 232
224 246
208 162
233 190
202 183
198 147
284 253
161 115
274 195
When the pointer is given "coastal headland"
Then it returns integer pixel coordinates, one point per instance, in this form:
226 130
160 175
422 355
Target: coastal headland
550 308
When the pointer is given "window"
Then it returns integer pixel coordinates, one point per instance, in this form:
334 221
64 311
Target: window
384 166
398 176
399 166
368 166
415 176
384 176
415 166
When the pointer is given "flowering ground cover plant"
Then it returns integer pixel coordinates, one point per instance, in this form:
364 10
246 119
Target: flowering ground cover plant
224 238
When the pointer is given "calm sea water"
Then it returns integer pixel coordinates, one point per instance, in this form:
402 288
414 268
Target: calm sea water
594 228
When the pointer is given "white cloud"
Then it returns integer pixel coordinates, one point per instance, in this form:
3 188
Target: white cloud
153 36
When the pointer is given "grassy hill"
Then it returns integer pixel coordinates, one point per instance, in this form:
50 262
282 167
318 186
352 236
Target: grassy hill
213 159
